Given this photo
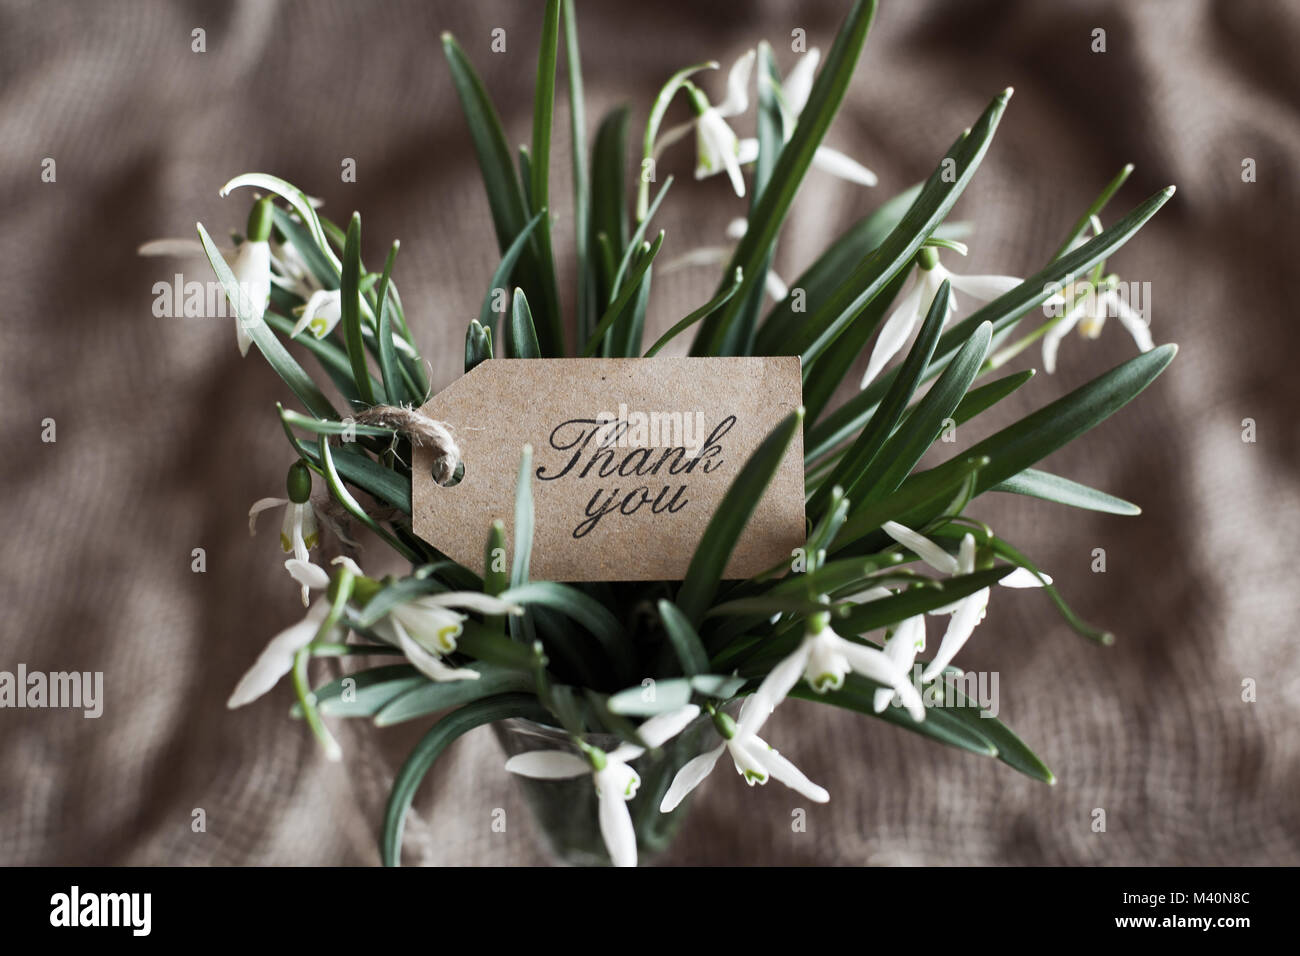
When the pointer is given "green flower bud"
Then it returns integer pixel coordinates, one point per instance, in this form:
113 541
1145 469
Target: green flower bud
298 482
259 221
927 258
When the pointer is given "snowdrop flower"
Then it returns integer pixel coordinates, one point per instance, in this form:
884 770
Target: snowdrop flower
426 629
252 269
910 312
792 97
717 147
903 645
615 782
754 758
299 532
277 659
966 612
823 658
1087 306
721 255
322 312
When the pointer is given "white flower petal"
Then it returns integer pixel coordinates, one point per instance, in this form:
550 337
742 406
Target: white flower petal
775 286
984 288
689 777
717 149
171 247
276 659
837 164
430 665
871 663
1133 323
968 614
1053 336
322 313
616 828
260 505
1024 578
966 554
790 775
896 330
704 256
737 100
747 151
798 84
473 601
774 688
548 765
923 547
661 728
307 574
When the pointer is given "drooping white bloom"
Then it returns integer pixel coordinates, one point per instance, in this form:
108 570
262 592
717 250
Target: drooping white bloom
910 312
903 645
299 533
717 148
1087 307
755 760
427 627
823 658
277 659
792 96
615 782
966 612
322 312
720 255
252 269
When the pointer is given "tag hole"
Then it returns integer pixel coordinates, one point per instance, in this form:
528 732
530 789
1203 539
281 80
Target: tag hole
456 476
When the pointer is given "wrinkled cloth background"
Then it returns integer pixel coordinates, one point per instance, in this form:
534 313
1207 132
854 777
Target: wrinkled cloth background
165 436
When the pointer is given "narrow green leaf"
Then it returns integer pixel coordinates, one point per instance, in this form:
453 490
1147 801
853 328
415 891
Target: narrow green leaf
344 497
909 443
586 303
433 697
608 211
523 530
572 603
293 375
923 494
638 237
732 515
686 643
630 288
706 309
501 277
478 344
1097 206
431 746
521 342
1049 487
657 110
296 198
854 470
394 387
350 305
365 693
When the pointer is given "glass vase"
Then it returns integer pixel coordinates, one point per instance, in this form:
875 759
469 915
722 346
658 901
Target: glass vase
566 810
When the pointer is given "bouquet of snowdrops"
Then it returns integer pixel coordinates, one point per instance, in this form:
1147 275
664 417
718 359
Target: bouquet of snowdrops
887 544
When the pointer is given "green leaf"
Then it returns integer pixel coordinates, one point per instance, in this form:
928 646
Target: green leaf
370 476
478 344
686 643
638 237
629 289
1097 206
1036 436
766 218
331 358
820 279
732 515
393 385
344 497
858 694
1012 751
708 308
367 691
431 746
1049 487
550 320
657 698
521 340
909 443
501 278
572 603
350 303
493 648
980 399
586 302
854 473
608 211
322 266
299 382
921 495
433 697
505 197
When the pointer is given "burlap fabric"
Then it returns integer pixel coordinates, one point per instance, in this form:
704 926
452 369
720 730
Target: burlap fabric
164 436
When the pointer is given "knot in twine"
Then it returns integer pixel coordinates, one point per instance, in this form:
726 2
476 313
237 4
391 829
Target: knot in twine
421 430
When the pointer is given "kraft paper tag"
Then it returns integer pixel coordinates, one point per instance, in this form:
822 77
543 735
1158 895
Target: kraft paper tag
631 457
